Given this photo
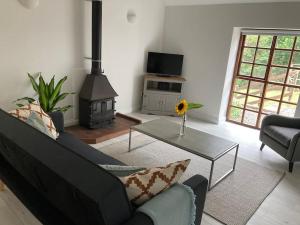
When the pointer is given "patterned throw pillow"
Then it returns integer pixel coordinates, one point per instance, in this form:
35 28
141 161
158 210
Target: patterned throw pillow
144 185
36 121
24 112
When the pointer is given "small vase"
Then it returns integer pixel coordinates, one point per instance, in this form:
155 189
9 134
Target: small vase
182 126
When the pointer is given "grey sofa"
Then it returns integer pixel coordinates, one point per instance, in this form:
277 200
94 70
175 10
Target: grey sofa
282 134
60 181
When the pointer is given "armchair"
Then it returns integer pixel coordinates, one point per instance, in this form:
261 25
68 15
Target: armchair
282 134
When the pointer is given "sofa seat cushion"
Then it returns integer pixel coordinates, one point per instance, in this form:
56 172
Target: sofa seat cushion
283 135
86 151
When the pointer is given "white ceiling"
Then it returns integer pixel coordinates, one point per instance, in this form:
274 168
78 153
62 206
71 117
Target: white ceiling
212 2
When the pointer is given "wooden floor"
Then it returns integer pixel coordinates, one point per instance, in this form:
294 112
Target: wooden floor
282 207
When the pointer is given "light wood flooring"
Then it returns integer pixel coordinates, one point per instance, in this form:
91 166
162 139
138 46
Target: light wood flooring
282 206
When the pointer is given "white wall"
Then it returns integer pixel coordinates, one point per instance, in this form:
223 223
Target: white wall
126 46
55 37
204 34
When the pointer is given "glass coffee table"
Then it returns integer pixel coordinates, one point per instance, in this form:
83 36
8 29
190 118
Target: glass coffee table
199 143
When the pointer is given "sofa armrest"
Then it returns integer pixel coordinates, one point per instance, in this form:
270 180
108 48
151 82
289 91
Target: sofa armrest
282 121
139 219
293 152
58 120
199 185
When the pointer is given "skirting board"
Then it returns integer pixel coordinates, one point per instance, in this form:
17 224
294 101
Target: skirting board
206 118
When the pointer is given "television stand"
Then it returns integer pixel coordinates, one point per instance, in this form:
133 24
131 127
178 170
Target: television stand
161 94
163 75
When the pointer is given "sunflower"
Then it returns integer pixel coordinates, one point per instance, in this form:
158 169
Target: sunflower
182 107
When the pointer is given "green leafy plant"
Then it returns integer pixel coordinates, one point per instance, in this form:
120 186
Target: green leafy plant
49 94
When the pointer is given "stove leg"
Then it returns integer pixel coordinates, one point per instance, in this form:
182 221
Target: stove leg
1 186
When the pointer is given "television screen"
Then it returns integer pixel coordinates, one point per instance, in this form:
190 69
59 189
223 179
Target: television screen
164 64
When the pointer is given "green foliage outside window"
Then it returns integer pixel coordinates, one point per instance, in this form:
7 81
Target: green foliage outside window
281 57
235 113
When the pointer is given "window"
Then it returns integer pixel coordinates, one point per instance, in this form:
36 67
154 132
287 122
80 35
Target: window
266 79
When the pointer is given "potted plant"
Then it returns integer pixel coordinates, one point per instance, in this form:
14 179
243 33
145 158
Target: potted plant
49 94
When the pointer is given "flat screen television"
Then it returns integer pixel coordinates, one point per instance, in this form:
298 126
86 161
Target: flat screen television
164 64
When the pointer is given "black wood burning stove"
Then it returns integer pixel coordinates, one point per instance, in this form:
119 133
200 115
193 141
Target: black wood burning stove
97 97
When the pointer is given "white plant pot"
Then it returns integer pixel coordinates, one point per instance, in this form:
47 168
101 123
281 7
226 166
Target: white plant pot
30 4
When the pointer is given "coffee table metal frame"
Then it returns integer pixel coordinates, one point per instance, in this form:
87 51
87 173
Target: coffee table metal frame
210 184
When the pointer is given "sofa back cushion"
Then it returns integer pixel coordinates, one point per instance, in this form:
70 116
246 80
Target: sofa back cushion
81 190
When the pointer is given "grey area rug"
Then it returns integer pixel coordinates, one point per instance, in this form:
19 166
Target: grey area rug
231 202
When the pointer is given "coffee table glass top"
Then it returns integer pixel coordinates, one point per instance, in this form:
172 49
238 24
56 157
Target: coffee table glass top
200 143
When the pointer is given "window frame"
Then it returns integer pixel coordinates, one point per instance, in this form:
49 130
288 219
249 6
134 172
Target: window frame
265 81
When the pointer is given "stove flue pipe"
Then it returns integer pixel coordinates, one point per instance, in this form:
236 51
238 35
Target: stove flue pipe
96 37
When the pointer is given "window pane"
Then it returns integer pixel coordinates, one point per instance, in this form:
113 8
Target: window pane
277 74
291 95
248 55
287 109
262 56
298 43
250 118
270 107
281 58
274 91
296 60
256 88
285 42
259 71
293 77
241 85
238 100
245 69
235 114
251 40
253 103
265 41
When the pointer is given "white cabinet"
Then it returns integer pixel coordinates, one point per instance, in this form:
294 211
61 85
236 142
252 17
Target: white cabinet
152 102
170 102
161 94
